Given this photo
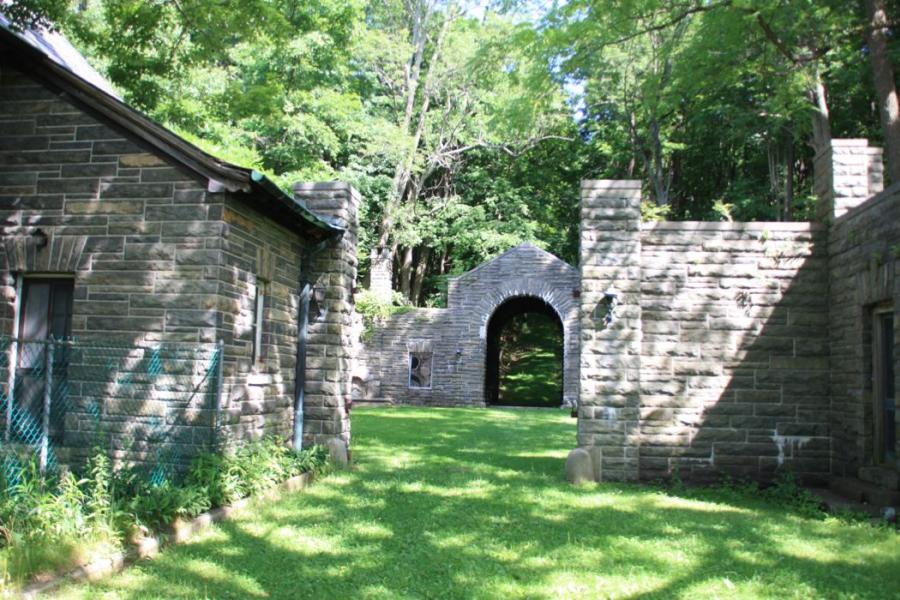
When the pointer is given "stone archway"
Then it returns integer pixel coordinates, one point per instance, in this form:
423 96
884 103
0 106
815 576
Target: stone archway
455 339
557 293
532 312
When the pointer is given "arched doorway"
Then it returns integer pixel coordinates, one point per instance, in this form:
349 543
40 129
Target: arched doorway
524 361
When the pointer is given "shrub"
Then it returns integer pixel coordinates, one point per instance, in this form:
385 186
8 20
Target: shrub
252 468
374 310
50 521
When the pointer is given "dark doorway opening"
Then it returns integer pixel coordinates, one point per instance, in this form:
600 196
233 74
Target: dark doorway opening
524 363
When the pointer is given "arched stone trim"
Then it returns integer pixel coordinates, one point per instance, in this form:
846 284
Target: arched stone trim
560 299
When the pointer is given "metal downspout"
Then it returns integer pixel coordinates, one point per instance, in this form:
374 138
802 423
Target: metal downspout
305 285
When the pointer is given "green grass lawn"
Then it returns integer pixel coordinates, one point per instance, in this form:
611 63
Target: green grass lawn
453 503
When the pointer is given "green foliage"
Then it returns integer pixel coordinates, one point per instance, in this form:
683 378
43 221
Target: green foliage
786 492
251 468
373 310
36 14
651 211
531 362
480 144
50 522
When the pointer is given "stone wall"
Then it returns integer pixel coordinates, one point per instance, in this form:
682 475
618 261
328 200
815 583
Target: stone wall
864 248
137 236
734 355
330 362
256 254
847 172
457 335
717 361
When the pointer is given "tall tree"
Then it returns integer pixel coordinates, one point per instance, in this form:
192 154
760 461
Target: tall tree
886 90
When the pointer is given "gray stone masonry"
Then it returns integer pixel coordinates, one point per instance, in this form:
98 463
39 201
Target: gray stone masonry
609 404
717 360
846 174
864 269
138 236
734 359
457 335
329 365
156 257
257 253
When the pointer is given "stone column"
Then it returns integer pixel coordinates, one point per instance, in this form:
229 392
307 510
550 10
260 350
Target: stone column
381 273
608 408
846 175
329 362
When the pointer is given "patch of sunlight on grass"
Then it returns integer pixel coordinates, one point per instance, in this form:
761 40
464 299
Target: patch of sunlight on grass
455 541
669 502
211 572
371 531
544 454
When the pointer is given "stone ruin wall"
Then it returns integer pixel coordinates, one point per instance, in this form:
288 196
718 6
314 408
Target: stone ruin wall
734 351
737 348
457 335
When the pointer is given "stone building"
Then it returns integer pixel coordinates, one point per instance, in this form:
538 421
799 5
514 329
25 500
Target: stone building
458 344
113 229
735 348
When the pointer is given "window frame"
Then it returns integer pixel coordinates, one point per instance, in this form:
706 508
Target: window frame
257 351
54 281
880 370
409 382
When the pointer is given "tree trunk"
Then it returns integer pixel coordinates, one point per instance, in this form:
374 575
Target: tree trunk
442 265
772 160
821 117
632 138
788 207
888 104
406 268
419 275
658 175
403 170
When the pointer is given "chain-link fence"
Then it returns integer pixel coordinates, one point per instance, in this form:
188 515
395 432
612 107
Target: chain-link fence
151 404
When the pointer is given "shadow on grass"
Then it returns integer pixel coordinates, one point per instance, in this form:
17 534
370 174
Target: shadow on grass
458 503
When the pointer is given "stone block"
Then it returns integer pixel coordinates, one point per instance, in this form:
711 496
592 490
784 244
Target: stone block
579 466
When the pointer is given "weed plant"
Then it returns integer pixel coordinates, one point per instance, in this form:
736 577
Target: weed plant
53 521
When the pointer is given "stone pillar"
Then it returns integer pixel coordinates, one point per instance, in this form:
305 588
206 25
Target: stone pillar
329 362
381 273
846 175
609 398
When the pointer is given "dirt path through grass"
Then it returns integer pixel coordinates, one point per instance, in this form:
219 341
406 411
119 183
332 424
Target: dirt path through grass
472 504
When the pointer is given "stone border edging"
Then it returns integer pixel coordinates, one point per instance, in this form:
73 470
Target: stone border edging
177 533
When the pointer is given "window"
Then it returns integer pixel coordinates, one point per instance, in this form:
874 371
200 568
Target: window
46 309
420 369
259 309
884 388
45 312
